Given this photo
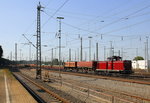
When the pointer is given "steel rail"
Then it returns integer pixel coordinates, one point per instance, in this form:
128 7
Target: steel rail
123 93
47 90
37 98
104 77
104 94
108 90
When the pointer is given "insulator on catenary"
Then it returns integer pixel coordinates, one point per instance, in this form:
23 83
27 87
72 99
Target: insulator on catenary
122 38
101 36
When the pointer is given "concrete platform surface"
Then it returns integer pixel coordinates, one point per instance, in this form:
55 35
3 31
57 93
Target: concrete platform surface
11 91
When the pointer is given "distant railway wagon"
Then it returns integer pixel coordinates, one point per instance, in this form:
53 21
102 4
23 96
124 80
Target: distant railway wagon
86 66
114 64
70 65
83 65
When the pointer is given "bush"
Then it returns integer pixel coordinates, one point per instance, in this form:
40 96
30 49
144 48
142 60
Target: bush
138 58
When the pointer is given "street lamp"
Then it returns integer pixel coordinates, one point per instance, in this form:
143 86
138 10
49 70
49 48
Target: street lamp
59 36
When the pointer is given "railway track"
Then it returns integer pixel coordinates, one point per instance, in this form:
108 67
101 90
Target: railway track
42 92
29 84
105 93
37 98
106 77
109 94
127 76
136 76
140 76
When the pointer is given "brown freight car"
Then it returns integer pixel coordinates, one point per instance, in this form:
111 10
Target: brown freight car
70 66
86 66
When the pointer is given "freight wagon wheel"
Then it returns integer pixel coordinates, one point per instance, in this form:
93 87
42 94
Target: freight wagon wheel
77 70
82 70
96 72
86 70
64 69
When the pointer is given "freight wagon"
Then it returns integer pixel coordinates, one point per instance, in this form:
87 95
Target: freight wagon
70 66
115 64
86 66
83 66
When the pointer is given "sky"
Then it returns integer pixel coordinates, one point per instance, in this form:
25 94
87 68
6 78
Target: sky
124 23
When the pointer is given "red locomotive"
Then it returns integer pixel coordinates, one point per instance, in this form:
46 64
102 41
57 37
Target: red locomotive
115 64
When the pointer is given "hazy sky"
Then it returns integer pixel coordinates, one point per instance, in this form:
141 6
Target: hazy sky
124 22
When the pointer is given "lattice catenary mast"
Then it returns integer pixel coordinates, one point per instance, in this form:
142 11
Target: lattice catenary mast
38 45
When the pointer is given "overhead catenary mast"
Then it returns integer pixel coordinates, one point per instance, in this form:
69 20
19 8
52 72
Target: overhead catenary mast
81 50
11 55
69 55
38 45
59 36
89 48
96 51
52 57
16 52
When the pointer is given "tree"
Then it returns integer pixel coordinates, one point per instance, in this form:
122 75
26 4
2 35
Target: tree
138 58
55 62
1 51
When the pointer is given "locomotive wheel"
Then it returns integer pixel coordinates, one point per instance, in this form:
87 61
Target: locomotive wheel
96 72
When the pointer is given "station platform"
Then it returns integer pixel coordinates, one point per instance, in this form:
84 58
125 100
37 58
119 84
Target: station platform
11 89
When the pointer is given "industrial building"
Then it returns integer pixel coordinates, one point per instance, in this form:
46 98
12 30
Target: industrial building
141 64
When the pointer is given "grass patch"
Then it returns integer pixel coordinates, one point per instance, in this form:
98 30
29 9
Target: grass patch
1 71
